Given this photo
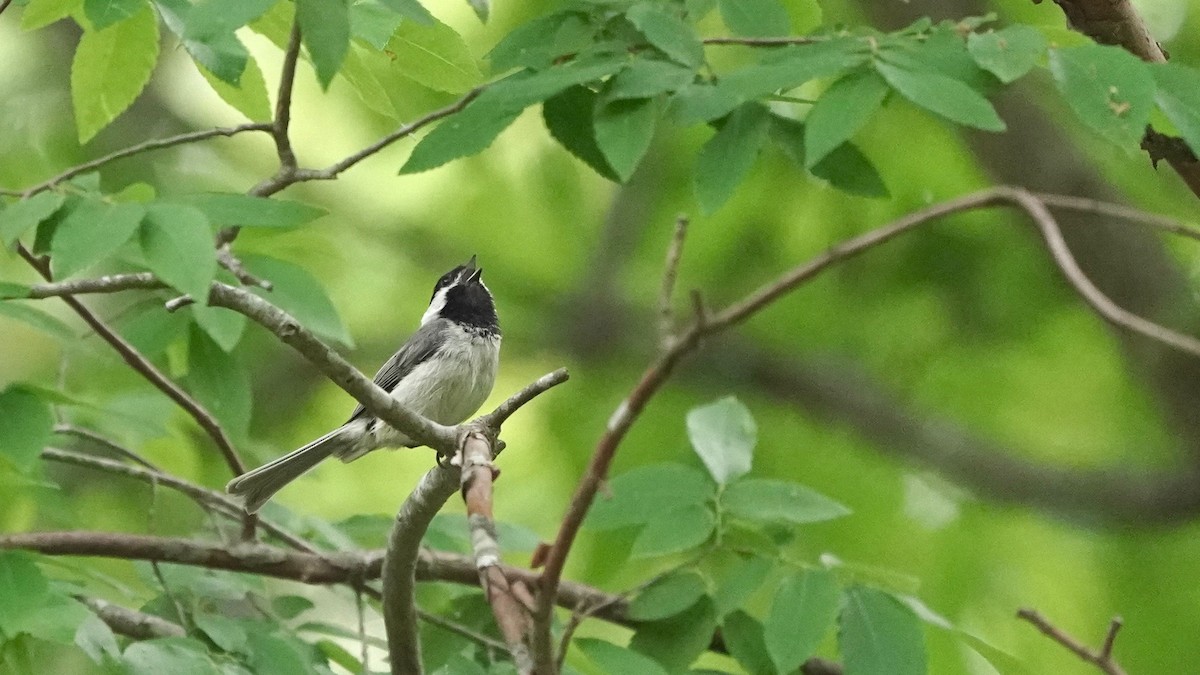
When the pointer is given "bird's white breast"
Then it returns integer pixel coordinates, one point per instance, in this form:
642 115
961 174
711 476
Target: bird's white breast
451 384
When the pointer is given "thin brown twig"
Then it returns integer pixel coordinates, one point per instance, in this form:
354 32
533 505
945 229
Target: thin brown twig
657 373
145 146
4 5
1103 659
106 443
666 313
1121 212
139 363
779 41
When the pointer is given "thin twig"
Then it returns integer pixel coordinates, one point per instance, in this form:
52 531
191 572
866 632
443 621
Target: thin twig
495 419
139 363
1120 212
763 41
145 146
106 443
109 283
283 101
130 622
666 313
4 5
226 259
459 629
1103 659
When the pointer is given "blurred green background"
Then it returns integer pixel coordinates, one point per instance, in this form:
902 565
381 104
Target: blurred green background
964 324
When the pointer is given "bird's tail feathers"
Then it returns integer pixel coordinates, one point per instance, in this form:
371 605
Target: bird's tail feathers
254 488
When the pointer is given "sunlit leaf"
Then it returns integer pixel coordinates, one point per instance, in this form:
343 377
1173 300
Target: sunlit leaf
325 31
248 96
613 659
110 69
1111 90
840 112
222 17
668 32
177 243
104 13
220 382
723 433
1008 53
37 318
1178 96
667 596
410 9
682 529
767 500
224 326
943 95
802 612
537 43
299 294
676 642
755 18
648 77
16 219
638 496
373 22
96 639
738 580
223 631
90 232
879 635
435 56
233 208
41 13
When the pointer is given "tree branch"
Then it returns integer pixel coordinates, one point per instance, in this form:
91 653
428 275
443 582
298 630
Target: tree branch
666 313
130 622
1102 659
658 372
512 616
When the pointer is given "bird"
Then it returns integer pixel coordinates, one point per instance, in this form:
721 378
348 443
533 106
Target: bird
444 372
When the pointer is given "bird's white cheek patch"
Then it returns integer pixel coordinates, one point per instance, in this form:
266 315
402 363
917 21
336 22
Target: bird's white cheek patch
435 306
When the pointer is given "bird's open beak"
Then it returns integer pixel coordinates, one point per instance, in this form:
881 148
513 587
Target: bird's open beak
473 273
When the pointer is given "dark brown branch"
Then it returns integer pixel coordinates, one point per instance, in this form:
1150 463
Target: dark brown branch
502 594
780 41
145 146
130 622
139 363
1102 659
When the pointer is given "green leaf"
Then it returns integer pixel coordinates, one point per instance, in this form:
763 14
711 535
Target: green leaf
56 620
803 611
325 31
1178 96
667 32
791 67
38 319
568 117
247 93
879 635
841 112
223 631
1009 53
154 329
222 17
361 70
697 102
96 639
638 496
42 13
220 382
682 529
667 596
755 18
766 500
11 291
373 23
737 581
16 219
104 13
232 208
744 638
224 326
537 43
299 294
648 77
177 242
291 606
110 69
727 157
178 656
474 129
849 170
26 429
613 659
22 584
624 130
435 56
723 434
944 96
1110 90
410 9
676 642
91 232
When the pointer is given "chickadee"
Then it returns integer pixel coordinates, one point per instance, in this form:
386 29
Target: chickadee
444 371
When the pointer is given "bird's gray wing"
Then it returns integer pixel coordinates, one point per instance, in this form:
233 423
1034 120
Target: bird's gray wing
420 347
